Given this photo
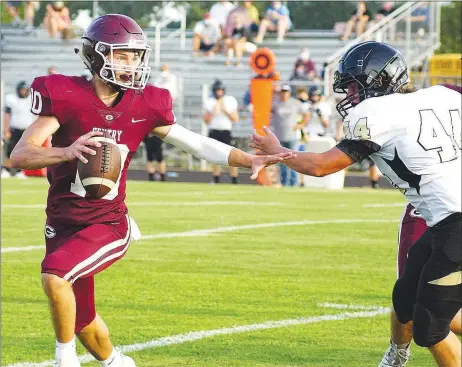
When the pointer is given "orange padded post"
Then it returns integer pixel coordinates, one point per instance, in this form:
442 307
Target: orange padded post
262 63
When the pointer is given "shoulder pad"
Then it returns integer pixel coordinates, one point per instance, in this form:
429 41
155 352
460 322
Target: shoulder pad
156 97
368 121
47 92
160 101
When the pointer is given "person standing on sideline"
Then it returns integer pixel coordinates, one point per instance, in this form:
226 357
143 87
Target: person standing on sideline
17 119
155 162
285 113
220 114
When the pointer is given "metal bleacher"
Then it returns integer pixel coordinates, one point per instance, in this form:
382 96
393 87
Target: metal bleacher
24 57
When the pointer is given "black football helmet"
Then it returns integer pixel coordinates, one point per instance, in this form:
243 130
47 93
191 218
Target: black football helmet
20 86
216 86
315 90
376 69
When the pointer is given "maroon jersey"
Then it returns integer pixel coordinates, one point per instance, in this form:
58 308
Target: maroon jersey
73 101
411 228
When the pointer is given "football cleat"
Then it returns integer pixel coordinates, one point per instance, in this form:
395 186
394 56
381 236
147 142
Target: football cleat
128 362
395 357
68 361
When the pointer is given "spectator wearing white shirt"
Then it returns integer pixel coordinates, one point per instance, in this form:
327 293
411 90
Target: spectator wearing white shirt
207 33
17 118
220 114
219 12
167 80
320 113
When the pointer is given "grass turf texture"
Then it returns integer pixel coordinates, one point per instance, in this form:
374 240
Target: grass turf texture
170 286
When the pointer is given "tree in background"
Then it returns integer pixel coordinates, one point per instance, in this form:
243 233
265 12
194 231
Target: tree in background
451 28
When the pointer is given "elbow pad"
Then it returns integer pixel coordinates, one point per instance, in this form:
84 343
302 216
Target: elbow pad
199 146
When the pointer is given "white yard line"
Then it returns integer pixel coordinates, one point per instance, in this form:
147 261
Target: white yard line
380 205
341 306
162 203
206 232
198 335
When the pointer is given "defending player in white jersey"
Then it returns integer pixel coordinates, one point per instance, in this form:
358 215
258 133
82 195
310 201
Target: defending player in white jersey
415 140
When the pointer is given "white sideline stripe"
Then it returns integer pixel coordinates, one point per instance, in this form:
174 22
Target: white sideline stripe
151 203
341 306
206 232
384 205
98 181
197 335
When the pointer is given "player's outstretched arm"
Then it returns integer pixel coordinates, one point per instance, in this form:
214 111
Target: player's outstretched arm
312 164
29 153
216 152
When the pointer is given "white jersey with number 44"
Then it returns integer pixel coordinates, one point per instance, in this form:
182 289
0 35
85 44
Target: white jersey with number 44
417 142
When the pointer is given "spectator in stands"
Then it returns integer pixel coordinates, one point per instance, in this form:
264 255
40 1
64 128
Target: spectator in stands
51 70
207 33
17 118
420 19
277 18
219 12
29 13
235 44
359 19
304 68
285 113
57 19
254 16
320 113
167 80
220 114
385 10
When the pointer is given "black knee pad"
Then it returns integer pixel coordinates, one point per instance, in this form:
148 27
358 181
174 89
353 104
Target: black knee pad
403 301
430 325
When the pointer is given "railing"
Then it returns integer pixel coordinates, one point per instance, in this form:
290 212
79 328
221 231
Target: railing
397 29
181 32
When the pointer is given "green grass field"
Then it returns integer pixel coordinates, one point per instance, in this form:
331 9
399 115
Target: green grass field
313 247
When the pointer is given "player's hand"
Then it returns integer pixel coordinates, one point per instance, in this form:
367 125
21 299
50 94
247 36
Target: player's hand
261 161
268 143
7 134
81 146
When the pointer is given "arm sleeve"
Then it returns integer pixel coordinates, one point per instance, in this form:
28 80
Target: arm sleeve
200 146
41 102
358 149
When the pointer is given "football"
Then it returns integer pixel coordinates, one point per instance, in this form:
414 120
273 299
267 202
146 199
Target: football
100 174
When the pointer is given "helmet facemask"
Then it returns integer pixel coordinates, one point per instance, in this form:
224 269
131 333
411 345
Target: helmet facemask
114 73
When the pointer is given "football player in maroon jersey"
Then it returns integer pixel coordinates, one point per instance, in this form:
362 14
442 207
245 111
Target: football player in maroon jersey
86 235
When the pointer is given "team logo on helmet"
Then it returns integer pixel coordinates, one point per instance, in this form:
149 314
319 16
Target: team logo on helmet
49 231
